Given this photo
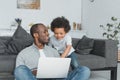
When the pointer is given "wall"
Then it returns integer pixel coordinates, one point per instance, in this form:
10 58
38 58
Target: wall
92 13
49 9
97 13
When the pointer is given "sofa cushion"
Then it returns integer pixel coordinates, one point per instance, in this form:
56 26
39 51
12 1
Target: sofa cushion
85 45
92 61
6 76
7 63
19 41
2 46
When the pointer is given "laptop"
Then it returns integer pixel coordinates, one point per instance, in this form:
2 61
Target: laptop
53 67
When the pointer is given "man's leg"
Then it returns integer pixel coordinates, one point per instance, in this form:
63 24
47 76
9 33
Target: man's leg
23 73
80 73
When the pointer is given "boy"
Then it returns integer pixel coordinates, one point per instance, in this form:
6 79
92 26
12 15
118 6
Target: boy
61 41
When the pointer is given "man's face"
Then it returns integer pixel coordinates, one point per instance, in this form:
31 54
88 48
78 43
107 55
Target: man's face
43 34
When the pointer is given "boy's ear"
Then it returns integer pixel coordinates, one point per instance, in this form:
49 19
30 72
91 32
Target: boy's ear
35 35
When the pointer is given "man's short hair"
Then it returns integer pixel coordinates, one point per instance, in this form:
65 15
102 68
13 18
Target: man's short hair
34 28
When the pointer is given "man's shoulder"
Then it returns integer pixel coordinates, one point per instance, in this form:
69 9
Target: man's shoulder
51 51
27 50
49 47
52 37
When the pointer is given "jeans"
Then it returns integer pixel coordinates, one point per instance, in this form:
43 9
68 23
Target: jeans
22 72
74 60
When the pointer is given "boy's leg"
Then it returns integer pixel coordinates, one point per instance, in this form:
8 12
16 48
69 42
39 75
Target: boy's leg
80 73
74 60
22 72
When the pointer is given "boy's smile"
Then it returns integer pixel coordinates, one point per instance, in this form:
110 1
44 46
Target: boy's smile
59 33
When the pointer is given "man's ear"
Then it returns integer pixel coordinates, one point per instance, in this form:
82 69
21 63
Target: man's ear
35 35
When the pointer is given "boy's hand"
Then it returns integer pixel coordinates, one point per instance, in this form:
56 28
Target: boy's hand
63 56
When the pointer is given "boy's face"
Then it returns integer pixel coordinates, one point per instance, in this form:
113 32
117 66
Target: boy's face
59 33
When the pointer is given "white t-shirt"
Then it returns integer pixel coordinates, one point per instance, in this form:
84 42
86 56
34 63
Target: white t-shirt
41 53
60 45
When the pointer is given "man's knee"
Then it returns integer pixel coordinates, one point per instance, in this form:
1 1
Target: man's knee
20 69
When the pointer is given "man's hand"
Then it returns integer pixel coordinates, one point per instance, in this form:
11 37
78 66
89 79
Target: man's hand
34 72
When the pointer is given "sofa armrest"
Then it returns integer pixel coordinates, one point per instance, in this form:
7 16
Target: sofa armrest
107 49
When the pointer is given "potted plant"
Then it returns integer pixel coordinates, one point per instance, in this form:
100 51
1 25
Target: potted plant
112 29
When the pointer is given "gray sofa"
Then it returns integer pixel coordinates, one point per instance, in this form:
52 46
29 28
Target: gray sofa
103 56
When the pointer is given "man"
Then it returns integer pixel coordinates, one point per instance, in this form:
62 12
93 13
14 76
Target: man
27 59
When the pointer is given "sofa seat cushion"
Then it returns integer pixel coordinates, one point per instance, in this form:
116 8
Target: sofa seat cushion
92 61
6 76
7 63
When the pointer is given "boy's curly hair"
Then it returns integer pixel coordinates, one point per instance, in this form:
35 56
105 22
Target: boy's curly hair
60 22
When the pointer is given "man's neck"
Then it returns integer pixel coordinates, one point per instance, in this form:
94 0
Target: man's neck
39 45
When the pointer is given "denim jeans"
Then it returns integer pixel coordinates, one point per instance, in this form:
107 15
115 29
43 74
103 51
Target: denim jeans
22 72
74 60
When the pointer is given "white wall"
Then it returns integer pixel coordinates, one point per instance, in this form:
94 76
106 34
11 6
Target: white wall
93 13
97 13
49 9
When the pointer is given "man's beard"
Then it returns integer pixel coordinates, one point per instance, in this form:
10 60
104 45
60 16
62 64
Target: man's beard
43 42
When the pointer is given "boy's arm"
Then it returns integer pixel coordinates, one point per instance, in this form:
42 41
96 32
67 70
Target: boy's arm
67 50
68 46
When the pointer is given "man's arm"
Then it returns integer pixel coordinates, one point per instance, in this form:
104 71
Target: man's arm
19 60
34 72
55 52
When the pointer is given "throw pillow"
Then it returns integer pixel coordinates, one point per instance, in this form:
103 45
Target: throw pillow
85 45
2 46
19 41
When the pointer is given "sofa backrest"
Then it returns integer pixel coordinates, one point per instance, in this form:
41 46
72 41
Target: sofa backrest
3 42
5 37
